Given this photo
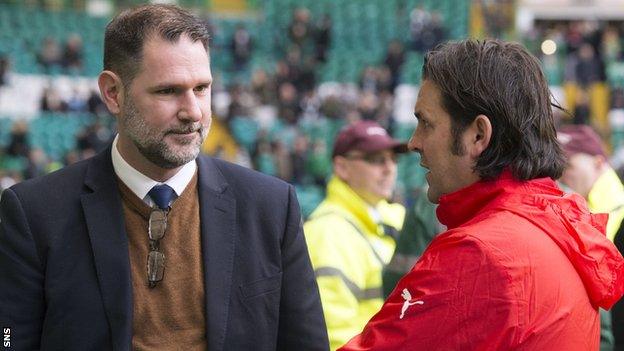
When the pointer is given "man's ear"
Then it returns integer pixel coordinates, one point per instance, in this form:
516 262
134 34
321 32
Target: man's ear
111 90
600 162
481 129
340 168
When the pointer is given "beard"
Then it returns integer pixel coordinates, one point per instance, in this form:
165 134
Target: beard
151 142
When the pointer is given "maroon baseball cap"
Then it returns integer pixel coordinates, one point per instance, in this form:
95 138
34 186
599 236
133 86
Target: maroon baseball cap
576 139
365 136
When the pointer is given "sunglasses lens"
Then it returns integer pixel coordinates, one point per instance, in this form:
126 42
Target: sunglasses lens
380 159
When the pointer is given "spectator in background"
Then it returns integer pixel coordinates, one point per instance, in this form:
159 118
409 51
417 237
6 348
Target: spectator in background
611 46
310 104
241 47
51 100
8 178
294 60
95 105
323 38
319 164
300 30
18 140
588 66
369 81
283 160
426 29
288 103
434 33
384 80
333 108
263 87
50 57
582 109
384 111
239 104
574 36
93 139
76 102
283 73
589 174
72 54
395 57
368 106
307 76
4 69
351 235
37 164
299 160
420 20
263 158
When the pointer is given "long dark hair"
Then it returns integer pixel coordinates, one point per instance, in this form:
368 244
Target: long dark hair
503 81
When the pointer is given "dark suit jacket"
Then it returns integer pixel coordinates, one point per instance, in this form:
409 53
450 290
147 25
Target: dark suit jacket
65 281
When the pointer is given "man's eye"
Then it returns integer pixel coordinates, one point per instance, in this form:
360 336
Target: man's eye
166 91
201 88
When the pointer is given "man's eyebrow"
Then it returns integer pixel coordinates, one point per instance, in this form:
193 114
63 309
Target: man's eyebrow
166 85
205 82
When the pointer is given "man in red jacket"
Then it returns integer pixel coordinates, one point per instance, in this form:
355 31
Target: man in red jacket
522 266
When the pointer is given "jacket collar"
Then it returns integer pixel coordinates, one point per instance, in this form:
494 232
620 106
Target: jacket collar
103 213
459 207
218 240
341 193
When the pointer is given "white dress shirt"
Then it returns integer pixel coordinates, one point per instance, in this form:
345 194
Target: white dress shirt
140 184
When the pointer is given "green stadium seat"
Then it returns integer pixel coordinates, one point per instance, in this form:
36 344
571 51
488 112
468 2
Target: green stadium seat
309 196
245 132
5 131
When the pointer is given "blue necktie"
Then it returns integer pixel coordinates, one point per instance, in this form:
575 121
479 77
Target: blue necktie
162 195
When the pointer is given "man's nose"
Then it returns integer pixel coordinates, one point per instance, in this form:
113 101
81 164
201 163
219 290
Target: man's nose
190 107
414 143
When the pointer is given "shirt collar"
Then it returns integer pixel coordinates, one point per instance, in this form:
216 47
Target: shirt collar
141 184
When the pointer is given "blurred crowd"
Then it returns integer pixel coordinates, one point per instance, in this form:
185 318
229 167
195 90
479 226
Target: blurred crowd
268 116
583 58
580 61
56 57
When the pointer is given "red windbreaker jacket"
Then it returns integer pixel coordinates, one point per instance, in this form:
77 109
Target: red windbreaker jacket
522 266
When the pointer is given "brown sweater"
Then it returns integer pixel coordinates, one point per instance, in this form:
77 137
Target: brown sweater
170 316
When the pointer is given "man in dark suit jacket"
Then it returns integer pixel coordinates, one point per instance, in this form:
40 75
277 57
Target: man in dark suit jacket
70 275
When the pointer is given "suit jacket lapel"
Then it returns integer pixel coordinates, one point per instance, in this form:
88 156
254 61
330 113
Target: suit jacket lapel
104 217
217 216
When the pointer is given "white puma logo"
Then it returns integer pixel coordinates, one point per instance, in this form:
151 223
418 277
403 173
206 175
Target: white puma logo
407 296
